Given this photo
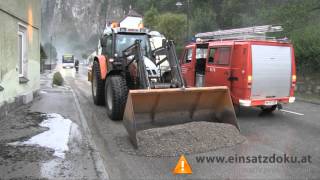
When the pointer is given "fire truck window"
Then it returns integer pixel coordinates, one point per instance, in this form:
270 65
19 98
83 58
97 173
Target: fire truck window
224 56
211 55
188 56
201 53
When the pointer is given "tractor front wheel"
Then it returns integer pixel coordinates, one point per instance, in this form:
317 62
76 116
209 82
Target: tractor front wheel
116 93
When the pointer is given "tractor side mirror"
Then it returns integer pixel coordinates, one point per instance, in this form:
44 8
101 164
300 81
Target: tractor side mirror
103 41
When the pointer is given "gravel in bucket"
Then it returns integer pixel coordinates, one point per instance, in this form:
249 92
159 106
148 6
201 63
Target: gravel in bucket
188 138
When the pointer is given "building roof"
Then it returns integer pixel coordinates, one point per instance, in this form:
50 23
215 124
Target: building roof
133 13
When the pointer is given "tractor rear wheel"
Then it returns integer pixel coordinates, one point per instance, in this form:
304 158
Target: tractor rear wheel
116 91
97 85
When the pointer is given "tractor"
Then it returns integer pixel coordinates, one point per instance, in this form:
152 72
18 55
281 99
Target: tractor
144 87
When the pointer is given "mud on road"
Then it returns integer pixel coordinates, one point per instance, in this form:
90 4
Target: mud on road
25 154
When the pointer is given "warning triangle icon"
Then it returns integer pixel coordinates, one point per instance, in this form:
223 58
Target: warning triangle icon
182 166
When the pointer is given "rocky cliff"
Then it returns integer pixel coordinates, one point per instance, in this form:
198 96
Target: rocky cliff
75 25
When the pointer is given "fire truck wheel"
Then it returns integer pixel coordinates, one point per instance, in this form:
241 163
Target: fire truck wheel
268 109
116 96
97 85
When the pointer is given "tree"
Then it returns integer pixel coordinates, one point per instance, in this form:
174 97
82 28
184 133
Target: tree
84 56
307 50
43 54
203 21
150 18
50 50
173 26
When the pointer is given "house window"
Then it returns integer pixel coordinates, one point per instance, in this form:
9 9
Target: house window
22 50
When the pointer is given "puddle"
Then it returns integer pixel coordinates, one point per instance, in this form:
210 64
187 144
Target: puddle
56 137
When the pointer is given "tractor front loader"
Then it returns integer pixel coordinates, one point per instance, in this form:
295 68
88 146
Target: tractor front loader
146 89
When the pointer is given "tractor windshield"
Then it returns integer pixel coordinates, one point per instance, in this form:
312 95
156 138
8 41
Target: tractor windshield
126 40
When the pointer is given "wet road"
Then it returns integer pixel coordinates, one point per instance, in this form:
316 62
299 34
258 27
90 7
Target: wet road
294 131
45 139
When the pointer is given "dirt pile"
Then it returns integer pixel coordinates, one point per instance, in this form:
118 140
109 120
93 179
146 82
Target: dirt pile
189 138
194 137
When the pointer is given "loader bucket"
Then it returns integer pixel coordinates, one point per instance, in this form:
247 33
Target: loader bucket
147 109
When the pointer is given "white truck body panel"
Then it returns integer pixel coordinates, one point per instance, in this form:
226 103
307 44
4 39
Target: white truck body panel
271 71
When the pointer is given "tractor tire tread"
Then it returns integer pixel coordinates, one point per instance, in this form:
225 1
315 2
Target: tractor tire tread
100 93
120 93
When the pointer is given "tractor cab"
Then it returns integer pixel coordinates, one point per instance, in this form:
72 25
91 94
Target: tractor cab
118 39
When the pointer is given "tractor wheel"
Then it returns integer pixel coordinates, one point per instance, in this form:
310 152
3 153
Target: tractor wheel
116 91
268 109
97 85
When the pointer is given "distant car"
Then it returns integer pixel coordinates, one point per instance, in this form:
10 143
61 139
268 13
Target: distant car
68 61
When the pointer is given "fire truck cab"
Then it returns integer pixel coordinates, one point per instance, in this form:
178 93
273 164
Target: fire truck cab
259 72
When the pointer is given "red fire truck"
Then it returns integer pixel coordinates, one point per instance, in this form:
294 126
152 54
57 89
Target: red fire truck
259 70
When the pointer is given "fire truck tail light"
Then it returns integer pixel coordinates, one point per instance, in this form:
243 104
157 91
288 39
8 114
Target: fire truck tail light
249 79
294 78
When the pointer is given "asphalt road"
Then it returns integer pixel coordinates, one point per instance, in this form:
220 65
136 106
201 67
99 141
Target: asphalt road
294 131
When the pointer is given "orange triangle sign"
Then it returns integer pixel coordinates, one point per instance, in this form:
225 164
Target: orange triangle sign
182 166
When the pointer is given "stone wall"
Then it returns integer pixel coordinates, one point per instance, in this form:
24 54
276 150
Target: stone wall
308 85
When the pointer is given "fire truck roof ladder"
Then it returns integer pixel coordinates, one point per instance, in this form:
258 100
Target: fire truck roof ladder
254 32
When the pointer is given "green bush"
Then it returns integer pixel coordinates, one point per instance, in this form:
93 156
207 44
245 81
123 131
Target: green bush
307 50
57 79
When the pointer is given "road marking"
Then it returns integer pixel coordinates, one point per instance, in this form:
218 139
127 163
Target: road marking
292 112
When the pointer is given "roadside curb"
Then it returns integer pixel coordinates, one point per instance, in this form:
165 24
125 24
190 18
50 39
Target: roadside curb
96 155
308 101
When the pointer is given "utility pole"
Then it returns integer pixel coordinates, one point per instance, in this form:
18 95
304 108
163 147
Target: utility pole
179 4
51 53
188 20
